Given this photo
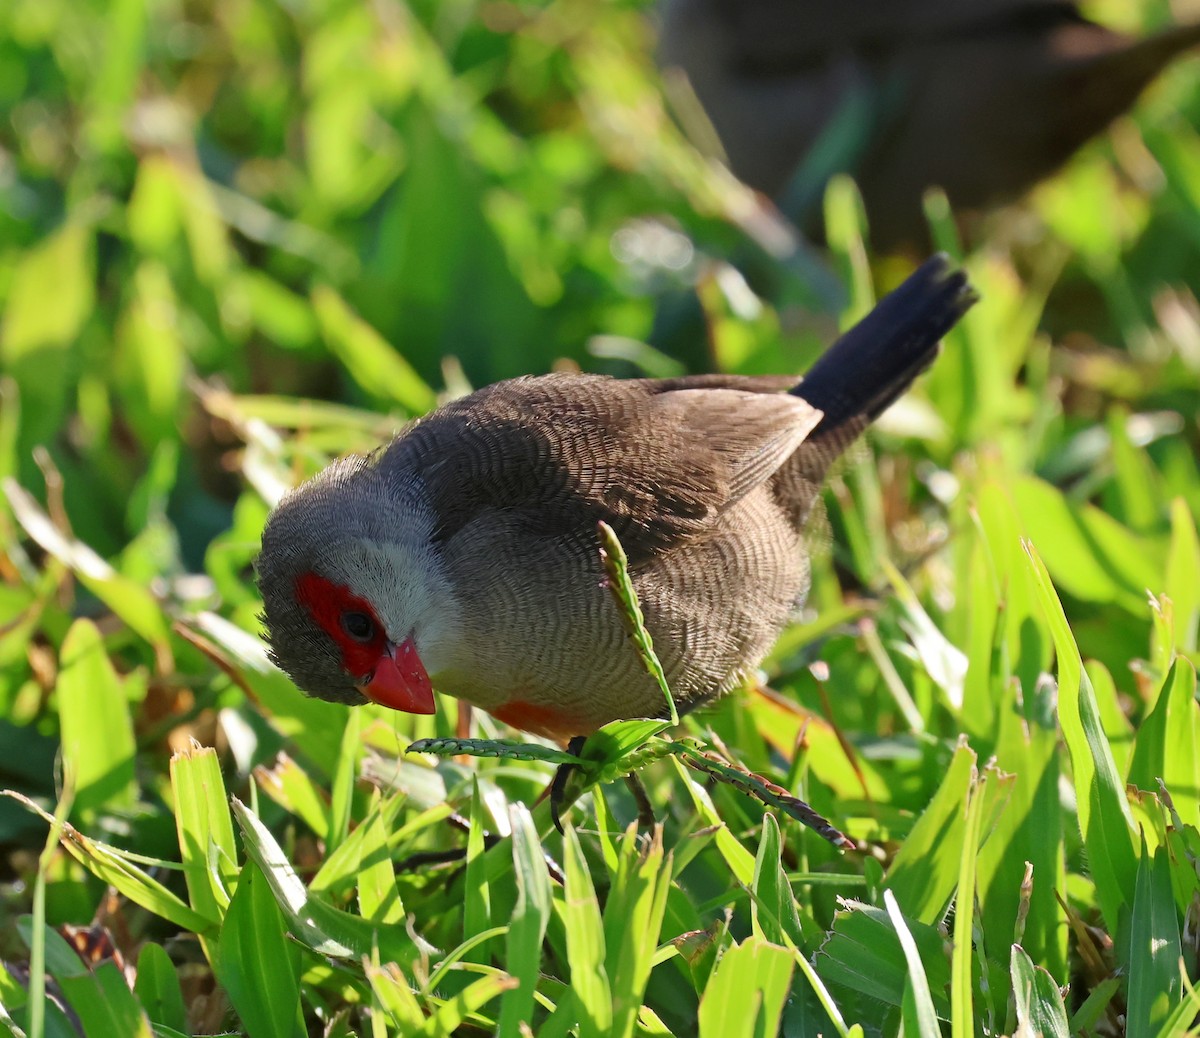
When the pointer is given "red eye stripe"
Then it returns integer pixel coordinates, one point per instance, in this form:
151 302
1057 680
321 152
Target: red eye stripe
327 602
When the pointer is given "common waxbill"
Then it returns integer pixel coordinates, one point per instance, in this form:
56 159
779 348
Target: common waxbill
981 97
462 556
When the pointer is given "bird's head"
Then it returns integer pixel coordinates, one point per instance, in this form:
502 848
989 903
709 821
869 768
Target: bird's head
355 604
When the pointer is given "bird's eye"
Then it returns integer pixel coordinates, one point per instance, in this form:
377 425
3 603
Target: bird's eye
359 626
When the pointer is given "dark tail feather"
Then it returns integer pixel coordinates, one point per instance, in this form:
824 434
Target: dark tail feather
877 360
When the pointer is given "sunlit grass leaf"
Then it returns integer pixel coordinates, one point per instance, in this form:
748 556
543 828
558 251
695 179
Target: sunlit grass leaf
293 789
150 358
846 228
1181 1023
1154 945
1182 584
919 1016
320 926
1030 829
477 892
1136 495
110 865
1025 648
49 298
446 1020
963 952
342 792
339 870
1104 817
523 950
157 988
633 918
1118 728
210 865
590 994
392 994
1168 740
104 1003
924 872
745 997
371 361
135 605
775 915
943 662
863 952
1088 553
1039 1003
257 965
97 732
314 417
378 898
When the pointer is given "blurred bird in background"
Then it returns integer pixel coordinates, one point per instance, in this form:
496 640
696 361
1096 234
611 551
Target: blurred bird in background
980 97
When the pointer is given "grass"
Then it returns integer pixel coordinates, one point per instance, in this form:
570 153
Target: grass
237 241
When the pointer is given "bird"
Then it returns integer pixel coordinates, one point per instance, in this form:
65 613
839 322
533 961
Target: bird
983 98
462 556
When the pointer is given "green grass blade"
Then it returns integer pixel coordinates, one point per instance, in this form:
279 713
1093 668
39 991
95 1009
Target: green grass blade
97 733
1104 816
1167 741
205 830
257 965
919 1015
962 1015
104 1003
775 915
371 361
528 925
392 996
737 859
633 918
37 942
585 943
924 872
323 928
1182 583
157 988
293 789
342 795
1154 947
111 866
339 870
451 1014
378 898
1039 1003
745 997
477 892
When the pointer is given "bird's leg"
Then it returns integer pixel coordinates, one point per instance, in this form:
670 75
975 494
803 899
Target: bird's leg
558 785
463 728
646 819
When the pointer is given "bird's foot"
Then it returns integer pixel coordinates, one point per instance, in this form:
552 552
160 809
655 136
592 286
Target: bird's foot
562 777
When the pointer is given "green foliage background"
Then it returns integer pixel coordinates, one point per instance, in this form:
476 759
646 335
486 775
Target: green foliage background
238 238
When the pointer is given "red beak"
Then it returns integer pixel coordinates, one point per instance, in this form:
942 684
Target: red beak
400 681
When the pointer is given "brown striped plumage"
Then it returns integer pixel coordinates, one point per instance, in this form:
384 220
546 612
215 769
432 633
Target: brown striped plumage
472 536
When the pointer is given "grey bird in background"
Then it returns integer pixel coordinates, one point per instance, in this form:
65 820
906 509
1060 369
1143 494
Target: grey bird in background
980 97
462 556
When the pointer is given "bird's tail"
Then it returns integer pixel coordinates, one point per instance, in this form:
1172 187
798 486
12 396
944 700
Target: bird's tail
875 361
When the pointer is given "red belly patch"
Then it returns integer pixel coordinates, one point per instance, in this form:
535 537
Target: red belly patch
541 720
